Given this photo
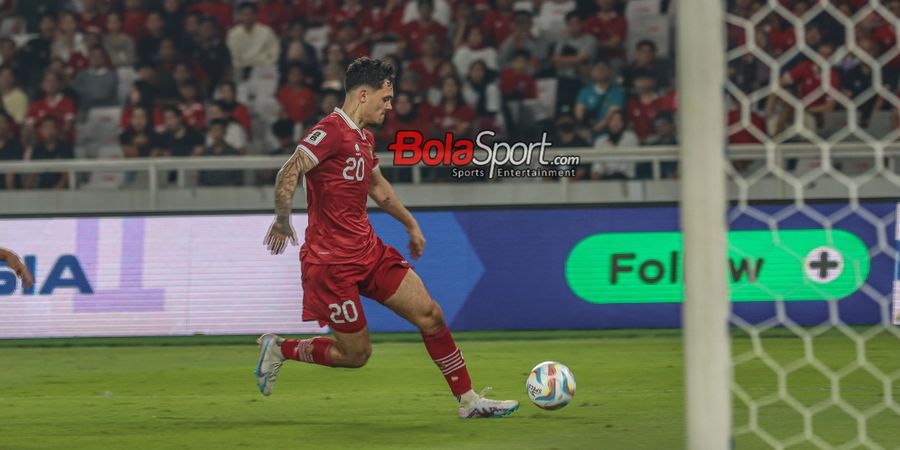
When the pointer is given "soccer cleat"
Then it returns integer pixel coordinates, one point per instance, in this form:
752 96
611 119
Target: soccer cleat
270 361
485 407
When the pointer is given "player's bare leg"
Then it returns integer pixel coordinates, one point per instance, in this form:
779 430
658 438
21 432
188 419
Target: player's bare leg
413 303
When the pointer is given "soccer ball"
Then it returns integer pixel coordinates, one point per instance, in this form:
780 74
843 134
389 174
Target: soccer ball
550 385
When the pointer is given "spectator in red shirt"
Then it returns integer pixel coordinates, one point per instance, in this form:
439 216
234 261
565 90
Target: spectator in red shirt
141 97
133 19
414 32
610 29
227 95
218 9
191 105
452 113
744 135
516 83
355 11
644 105
426 66
272 13
91 19
779 34
314 12
498 23
54 104
806 78
298 102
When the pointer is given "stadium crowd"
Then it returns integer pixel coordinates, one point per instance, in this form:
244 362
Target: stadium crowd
223 77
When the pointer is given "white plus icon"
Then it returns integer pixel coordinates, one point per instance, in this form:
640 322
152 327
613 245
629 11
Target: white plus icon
823 264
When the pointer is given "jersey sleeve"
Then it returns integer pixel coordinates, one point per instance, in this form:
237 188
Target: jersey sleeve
320 142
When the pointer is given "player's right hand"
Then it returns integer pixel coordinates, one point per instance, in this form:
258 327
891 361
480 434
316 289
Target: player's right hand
278 235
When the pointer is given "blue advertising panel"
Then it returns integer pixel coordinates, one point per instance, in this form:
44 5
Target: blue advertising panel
506 268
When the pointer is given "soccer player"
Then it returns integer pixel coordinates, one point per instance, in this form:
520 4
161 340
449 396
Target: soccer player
15 264
342 258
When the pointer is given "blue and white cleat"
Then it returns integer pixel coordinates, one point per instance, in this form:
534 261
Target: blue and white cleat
270 361
485 407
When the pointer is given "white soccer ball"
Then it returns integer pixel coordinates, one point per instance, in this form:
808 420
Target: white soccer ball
550 385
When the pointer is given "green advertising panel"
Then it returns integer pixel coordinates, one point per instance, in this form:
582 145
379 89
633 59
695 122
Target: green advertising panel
795 265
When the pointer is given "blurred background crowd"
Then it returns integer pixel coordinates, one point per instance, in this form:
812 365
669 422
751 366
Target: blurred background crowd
152 78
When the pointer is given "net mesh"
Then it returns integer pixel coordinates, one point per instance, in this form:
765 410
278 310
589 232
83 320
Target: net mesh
814 85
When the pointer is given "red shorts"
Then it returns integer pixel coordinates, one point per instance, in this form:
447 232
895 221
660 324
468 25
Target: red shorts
331 291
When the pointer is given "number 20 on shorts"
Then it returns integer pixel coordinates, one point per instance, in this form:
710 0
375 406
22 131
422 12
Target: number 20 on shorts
343 313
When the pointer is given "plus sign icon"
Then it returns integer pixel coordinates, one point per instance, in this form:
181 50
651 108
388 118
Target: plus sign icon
824 264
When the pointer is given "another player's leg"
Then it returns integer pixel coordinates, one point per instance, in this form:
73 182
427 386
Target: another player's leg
412 302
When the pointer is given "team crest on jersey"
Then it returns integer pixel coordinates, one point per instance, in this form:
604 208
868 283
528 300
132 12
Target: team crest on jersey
356 146
315 137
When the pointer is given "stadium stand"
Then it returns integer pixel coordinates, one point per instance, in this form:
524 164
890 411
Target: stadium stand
603 61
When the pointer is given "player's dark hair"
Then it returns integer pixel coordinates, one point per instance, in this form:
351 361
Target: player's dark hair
368 72
571 15
245 5
422 3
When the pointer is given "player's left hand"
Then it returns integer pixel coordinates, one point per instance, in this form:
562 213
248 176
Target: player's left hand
416 242
278 236
16 265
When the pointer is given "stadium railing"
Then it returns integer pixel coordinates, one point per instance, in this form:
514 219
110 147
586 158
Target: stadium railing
655 155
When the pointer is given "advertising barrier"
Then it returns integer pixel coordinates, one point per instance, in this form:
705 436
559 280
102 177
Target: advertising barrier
499 268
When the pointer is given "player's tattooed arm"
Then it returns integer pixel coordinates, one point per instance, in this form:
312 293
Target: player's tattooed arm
381 191
285 185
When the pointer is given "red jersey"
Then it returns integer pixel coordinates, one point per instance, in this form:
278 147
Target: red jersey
298 104
414 34
517 85
807 76
605 27
337 188
743 135
428 78
61 108
641 115
497 26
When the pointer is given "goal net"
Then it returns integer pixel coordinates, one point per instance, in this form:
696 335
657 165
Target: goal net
811 97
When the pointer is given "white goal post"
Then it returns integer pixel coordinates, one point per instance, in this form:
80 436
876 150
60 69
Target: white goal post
701 71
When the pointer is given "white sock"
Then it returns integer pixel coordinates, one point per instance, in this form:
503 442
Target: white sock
466 397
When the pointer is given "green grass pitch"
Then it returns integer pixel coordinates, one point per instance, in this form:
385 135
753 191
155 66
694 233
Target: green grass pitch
200 392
